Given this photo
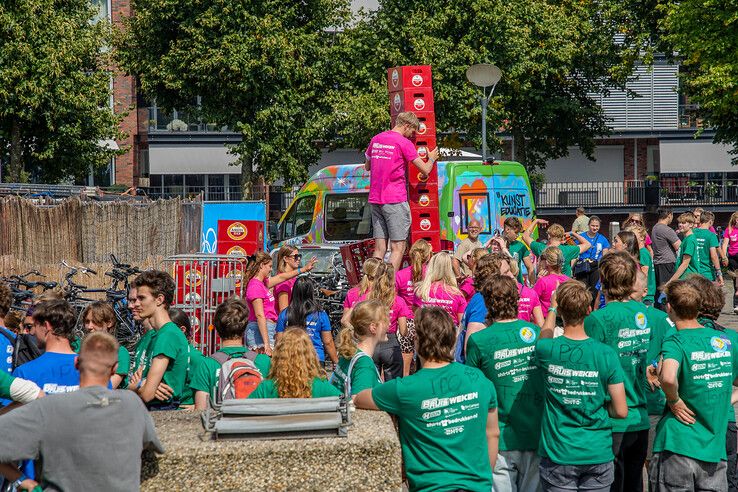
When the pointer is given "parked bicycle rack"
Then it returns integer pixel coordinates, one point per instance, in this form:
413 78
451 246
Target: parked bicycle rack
203 281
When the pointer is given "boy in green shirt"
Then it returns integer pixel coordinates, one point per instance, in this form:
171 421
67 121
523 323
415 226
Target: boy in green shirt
707 245
688 258
556 236
699 367
580 374
230 320
168 350
624 326
504 352
447 413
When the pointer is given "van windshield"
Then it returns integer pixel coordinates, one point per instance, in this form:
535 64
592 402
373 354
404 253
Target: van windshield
348 217
299 218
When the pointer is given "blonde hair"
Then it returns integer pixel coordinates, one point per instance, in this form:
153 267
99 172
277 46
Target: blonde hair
439 270
295 364
384 286
282 255
362 316
733 222
409 119
476 255
420 253
555 231
372 268
686 218
514 269
553 258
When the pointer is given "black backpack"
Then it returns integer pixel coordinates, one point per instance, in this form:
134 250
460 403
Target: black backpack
24 348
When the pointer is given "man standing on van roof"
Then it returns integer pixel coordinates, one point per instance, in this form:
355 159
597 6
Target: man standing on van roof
388 155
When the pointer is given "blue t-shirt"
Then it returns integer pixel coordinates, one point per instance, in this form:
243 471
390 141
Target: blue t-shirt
316 323
599 244
475 312
6 349
53 372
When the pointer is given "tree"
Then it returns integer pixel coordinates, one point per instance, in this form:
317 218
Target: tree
258 66
553 54
704 34
54 90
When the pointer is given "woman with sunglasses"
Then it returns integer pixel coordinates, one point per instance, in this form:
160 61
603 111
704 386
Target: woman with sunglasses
635 218
288 260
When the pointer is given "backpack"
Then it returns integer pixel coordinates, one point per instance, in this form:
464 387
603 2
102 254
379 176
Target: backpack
24 348
239 375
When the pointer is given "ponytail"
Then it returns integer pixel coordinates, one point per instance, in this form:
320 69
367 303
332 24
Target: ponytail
372 268
420 253
255 262
347 342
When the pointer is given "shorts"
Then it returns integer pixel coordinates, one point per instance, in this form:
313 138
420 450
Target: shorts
391 221
671 471
558 478
252 337
516 471
407 343
653 421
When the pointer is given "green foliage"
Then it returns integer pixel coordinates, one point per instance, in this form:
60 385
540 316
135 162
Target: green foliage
705 35
258 65
54 90
552 55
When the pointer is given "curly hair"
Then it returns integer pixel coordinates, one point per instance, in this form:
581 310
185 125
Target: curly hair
6 299
712 297
160 283
436 334
231 318
420 253
501 297
384 287
295 364
362 316
618 275
487 267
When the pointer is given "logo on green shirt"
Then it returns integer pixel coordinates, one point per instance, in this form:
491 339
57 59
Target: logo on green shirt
640 320
720 344
527 335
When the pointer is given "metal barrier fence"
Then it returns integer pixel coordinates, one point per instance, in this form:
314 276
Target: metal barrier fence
203 282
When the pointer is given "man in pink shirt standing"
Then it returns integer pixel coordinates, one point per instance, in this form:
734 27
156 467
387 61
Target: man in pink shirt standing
387 158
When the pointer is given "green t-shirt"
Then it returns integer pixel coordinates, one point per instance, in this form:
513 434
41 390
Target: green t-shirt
76 344
646 260
207 374
505 354
364 374
124 365
321 388
625 327
689 247
705 241
141 355
661 327
733 337
576 428
171 343
442 415
570 253
519 250
195 359
708 365
5 381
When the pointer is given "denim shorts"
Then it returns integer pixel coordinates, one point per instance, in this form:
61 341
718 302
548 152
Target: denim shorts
252 337
558 478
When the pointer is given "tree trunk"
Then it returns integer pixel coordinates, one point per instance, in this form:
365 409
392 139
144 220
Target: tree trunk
15 169
247 177
520 147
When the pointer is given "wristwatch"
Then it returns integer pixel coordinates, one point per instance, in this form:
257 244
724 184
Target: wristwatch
17 483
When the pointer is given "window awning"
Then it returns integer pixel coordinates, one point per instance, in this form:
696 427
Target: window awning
694 156
108 144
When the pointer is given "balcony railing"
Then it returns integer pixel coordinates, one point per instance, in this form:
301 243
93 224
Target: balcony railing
280 197
668 191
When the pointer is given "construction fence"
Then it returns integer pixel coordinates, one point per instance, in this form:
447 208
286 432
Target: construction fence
37 235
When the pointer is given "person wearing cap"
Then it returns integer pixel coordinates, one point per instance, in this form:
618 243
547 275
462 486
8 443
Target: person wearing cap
388 155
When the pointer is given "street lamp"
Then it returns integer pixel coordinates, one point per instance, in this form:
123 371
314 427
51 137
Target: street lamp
484 75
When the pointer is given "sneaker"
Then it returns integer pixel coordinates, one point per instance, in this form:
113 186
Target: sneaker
735 310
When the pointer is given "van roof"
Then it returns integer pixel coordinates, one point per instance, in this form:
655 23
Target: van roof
348 177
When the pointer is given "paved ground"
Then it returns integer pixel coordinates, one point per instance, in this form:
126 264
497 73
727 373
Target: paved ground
727 318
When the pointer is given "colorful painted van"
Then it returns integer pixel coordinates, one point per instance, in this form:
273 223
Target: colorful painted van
332 207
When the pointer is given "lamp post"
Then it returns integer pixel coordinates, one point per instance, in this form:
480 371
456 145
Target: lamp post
484 75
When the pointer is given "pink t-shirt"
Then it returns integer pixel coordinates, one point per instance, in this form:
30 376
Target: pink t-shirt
404 284
467 288
527 301
353 297
648 240
453 304
399 310
388 153
256 289
285 286
731 233
545 287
